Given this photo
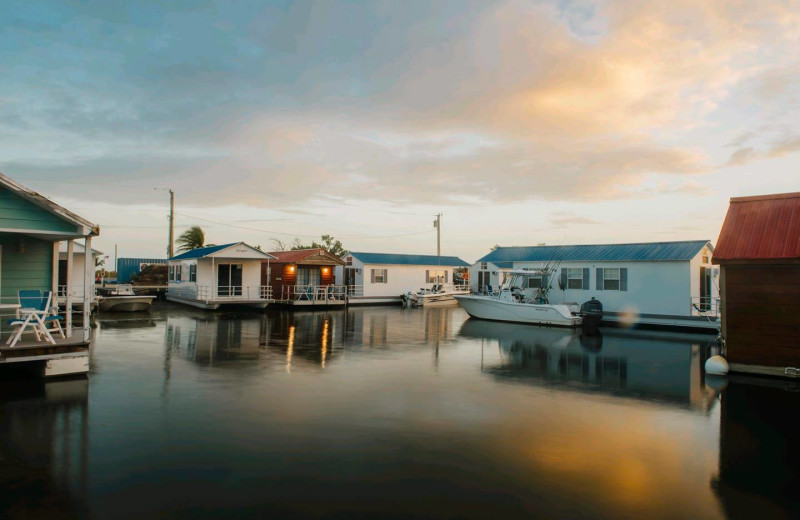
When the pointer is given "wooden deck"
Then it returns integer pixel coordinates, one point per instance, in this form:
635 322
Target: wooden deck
69 356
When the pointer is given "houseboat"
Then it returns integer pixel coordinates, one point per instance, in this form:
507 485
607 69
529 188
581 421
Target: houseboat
758 252
658 284
376 278
213 276
304 277
32 227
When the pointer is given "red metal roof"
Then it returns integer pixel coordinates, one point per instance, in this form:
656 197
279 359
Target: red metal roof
761 228
297 256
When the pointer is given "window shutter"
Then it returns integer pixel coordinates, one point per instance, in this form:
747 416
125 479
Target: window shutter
599 283
585 278
445 277
545 279
372 275
385 276
564 278
623 279
427 276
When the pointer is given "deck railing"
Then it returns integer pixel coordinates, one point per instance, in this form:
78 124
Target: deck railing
354 290
313 293
75 290
234 292
705 306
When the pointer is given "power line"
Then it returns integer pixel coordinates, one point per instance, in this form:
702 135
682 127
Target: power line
297 234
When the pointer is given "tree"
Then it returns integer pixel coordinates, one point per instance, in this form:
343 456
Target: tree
280 245
192 238
328 243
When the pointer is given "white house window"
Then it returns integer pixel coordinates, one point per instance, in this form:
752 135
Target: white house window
435 276
193 273
349 260
612 279
484 266
379 276
178 273
574 278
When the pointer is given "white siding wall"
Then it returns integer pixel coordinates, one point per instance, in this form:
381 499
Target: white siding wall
653 287
401 278
495 275
206 276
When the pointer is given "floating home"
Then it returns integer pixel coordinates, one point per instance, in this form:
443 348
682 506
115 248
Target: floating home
303 277
32 228
759 257
382 277
209 277
656 284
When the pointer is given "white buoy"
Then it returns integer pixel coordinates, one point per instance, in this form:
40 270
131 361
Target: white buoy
717 366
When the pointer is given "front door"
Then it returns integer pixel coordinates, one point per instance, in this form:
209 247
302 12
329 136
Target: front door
229 280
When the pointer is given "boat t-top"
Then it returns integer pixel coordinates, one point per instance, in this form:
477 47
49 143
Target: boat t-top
523 298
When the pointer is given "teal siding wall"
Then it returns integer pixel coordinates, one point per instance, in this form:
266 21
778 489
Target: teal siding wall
18 213
31 269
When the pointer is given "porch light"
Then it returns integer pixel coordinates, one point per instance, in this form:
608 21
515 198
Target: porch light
325 270
291 268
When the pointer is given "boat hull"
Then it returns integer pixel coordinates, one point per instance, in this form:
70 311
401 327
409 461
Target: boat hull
125 303
489 308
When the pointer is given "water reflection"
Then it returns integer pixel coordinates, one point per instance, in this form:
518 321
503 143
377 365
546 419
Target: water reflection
652 366
44 432
388 412
759 460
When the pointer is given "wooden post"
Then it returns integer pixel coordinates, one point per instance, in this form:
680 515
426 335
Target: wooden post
88 286
68 310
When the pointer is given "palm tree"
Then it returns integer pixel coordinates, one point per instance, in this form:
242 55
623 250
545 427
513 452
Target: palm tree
192 238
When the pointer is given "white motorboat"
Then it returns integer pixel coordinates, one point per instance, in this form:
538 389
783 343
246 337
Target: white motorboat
522 299
438 294
122 299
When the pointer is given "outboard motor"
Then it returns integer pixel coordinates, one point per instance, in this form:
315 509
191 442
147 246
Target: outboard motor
592 313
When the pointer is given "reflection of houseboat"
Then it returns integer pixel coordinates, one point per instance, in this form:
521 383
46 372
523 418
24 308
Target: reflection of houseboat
759 464
653 366
210 277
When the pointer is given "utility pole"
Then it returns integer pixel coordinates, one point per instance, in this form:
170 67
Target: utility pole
170 252
438 225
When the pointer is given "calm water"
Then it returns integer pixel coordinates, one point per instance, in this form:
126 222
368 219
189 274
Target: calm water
392 413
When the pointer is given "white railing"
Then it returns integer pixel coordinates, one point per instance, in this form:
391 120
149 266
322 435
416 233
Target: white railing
234 292
705 306
75 290
313 293
355 290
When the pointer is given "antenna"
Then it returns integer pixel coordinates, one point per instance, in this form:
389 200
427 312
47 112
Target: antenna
170 252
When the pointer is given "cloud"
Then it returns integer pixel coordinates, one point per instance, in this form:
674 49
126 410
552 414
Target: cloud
434 103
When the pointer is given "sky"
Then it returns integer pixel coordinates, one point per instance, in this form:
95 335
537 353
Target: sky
521 122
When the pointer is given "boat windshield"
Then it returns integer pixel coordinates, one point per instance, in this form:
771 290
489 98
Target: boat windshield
514 280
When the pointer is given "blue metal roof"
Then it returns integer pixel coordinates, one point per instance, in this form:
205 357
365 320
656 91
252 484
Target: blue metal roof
645 252
395 259
200 252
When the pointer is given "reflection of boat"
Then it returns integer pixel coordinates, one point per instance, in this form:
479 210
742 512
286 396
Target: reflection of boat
522 299
121 298
438 294
127 324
